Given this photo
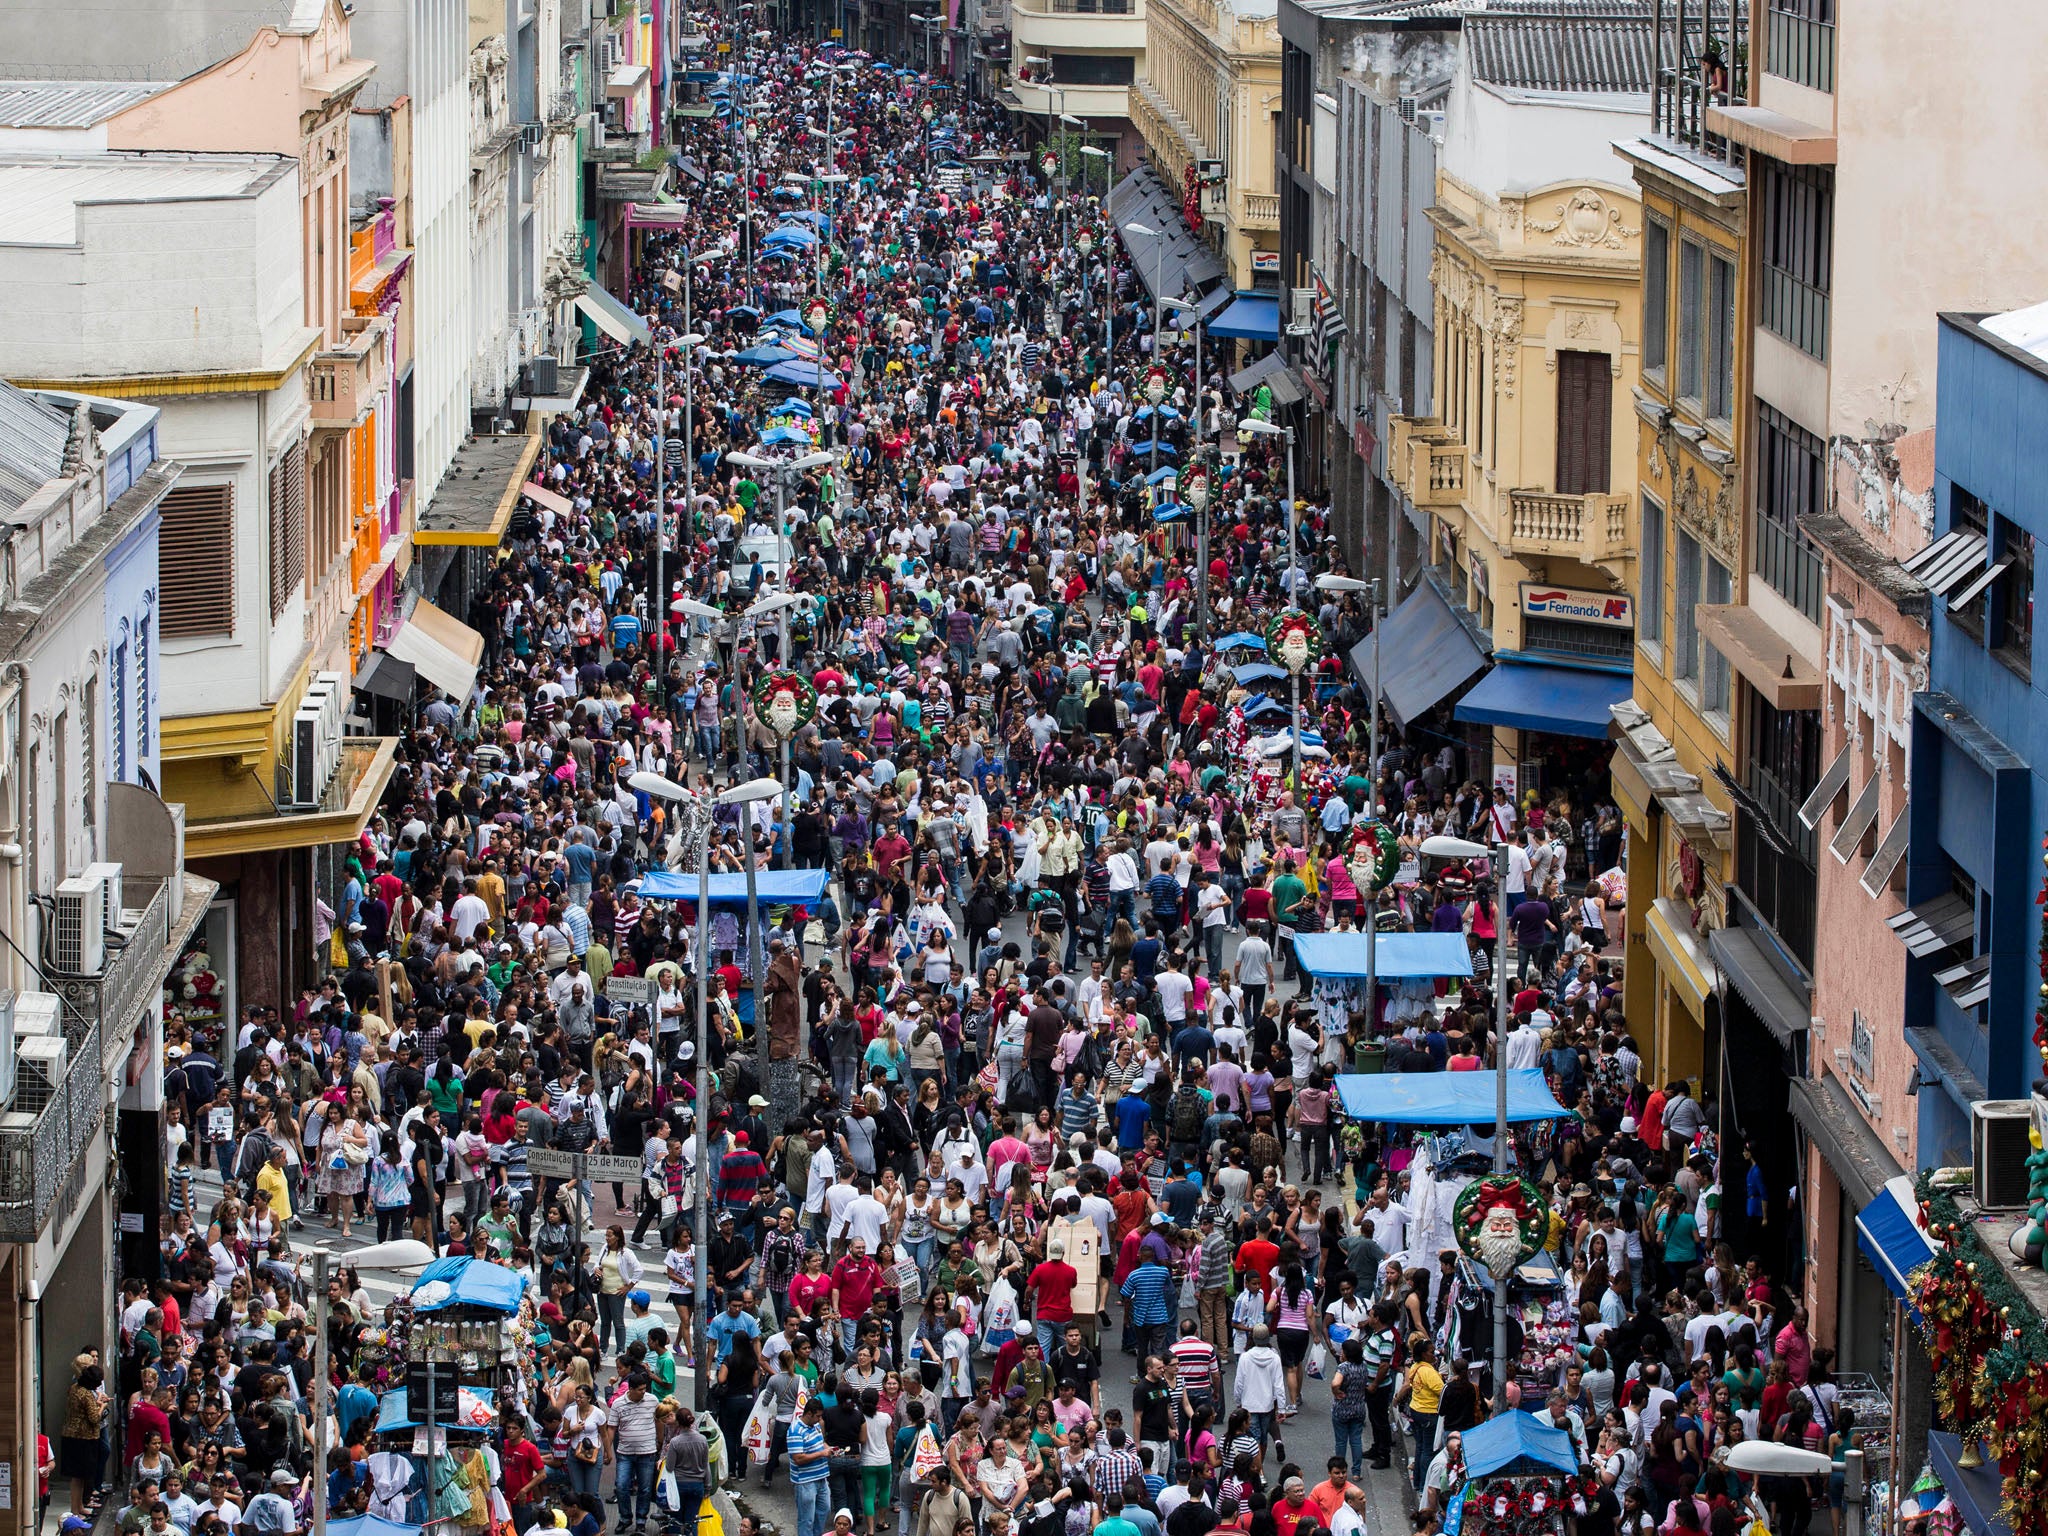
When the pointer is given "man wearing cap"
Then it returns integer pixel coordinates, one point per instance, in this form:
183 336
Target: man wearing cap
274 1511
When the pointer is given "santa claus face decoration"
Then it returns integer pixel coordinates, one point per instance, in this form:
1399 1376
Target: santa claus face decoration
1294 641
786 701
1500 1222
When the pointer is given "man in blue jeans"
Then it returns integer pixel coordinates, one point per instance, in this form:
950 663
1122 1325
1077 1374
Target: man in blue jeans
810 1470
634 1447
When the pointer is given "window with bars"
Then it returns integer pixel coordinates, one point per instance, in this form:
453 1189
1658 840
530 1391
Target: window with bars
1685 623
88 762
119 703
1776 856
1800 45
1692 282
1585 422
196 561
1791 470
1719 398
1795 211
1656 296
287 526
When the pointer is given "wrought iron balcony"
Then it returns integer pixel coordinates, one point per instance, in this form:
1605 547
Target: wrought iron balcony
43 1141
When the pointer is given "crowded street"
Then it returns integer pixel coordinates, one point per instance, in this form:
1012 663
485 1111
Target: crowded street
917 990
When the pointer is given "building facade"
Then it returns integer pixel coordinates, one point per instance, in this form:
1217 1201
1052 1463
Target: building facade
1080 58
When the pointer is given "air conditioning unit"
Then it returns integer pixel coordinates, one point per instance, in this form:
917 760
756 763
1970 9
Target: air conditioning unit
1999 1148
34 1015
308 755
533 135
1431 124
39 1072
81 926
1301 311
547 373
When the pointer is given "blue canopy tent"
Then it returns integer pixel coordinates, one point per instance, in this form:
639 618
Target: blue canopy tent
1155 445
370 1525
476 1408
1170 512
1144 411
775 887
791 406
766 355
785 437
458 1282
1518 1444
799 375
744 309
1160 476
1444 1098
785 317
1242 638
1260 704
1398 956
1256 672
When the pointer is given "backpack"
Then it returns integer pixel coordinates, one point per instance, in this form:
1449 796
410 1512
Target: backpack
1189 1113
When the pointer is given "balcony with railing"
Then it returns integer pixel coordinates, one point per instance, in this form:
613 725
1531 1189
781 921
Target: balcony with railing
345 381
1257 210
1436 461
45 1138
1790 562
1701 61
1593 528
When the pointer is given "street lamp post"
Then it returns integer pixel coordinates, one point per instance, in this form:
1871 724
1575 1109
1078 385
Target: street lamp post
1286 434
1459 848
1194 461
401 1254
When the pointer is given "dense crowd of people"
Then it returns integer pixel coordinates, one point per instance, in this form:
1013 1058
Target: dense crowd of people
1037 1078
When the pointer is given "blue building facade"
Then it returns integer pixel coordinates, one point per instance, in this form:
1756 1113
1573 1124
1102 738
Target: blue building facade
1974 864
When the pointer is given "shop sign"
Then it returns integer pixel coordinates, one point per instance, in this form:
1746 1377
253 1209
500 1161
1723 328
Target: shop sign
1481 581
1505 777
1265 263
1862 1047
1578 605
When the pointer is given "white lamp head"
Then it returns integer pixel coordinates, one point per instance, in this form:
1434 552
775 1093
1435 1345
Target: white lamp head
1454 848
658 786
752 790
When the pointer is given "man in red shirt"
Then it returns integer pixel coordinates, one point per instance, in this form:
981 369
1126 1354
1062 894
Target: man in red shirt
890 851
1256 1259
855 1278
1050 1288
526 1472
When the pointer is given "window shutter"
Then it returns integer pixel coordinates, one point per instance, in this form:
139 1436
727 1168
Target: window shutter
287 526
196 561
1585 430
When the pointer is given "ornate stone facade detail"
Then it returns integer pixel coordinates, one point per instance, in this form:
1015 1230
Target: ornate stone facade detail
1711 517
1507 342
1587 221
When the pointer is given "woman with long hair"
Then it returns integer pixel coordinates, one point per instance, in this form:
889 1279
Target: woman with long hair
1295 1325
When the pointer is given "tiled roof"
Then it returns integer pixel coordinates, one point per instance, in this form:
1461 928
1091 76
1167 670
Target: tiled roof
33 434
69 103
1603 47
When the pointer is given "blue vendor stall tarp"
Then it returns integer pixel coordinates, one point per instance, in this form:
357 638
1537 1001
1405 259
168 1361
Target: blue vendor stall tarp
369 1525
1256 672
1444 1098
1260 704
802 376
1501 1442
1242 637
776 887
1400 956
471 1283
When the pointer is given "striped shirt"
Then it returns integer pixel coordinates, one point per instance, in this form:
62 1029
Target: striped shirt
803 1439
1194 1365
577 921
1078 1112
1146 1290
1217 1254
1113 1469
1379 1352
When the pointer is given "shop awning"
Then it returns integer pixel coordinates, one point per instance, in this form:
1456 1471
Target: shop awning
1559 701
474 502
1680 955
384 676
773 887
1752 972
1169 262
539 494
1445 1098
1249 317
1978 1492
1273 372
444 650
1429 654
1888 1230
625 79
612 317
1862 1163
1398 956
1212 301
1501 1443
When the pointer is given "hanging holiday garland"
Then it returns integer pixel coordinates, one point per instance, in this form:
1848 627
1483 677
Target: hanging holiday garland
786 701
1989 1352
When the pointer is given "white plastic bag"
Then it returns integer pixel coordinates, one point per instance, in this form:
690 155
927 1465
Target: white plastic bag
1318 1357
759 1434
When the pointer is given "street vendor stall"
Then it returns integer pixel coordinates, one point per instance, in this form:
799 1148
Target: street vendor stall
1522 1478
1406 966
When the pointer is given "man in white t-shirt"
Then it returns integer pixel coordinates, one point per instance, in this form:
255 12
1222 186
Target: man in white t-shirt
1174 989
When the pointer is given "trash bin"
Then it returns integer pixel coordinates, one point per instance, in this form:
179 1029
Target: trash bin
1369 1056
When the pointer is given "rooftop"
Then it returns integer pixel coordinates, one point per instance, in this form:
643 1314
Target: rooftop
70 103
40 195
1603 48
474 502
33 436
101 40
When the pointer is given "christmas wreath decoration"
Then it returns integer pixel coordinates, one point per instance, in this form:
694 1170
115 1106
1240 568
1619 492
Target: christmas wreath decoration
1294 640
1375 848
786 701
1500 1221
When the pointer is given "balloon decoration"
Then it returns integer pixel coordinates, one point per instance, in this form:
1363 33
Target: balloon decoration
1294 640
1375 848
1500 1222
1989 1351
786 701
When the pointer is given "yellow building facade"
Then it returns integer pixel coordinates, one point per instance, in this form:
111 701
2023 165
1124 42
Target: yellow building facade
1527 469
1686 433
1210 95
